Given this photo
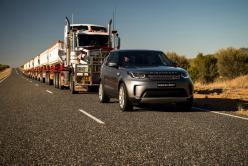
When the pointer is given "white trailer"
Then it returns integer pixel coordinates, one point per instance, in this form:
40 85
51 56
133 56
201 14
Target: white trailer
37 67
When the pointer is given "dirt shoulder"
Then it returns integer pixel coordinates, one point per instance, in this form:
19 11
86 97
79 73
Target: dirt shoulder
222 98
5 73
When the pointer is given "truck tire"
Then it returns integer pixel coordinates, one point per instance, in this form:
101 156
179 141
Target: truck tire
59 82
49 81
47 78
54 80
72 85
103 98
124 102
41 79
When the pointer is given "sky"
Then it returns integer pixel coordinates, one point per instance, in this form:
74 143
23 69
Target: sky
187 27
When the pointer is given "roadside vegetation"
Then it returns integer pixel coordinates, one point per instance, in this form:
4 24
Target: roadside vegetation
4 73
2 67
222 76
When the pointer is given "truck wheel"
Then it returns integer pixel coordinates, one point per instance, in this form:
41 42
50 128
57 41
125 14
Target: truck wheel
47 78
103 98
124 103
55 80
72 87
59 82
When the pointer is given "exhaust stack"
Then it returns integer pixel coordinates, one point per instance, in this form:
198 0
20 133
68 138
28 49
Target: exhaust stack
110 33
66 40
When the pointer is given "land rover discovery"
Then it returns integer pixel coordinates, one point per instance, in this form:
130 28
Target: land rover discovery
144 76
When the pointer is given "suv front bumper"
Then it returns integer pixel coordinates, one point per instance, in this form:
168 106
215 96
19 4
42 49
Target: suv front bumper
149 92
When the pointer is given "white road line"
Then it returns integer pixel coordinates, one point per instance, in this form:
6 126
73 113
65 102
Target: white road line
220 113
3 79
49 91
92 117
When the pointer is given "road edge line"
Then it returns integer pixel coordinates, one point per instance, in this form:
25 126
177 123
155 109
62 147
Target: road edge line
220 113
4 79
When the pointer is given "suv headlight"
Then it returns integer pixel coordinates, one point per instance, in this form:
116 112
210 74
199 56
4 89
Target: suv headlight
185 74
137 75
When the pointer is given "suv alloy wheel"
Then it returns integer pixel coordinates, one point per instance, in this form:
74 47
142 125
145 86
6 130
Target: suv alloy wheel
124 103
103 98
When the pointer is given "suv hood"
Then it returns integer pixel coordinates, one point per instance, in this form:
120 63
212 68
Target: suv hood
156 69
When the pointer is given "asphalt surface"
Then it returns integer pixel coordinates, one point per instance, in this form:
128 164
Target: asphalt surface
42 125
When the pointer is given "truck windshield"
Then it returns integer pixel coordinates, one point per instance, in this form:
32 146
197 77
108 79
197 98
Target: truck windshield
142 58
98 29
92 40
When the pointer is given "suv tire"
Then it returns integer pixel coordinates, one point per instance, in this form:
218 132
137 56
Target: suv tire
124 102
185 106
103 98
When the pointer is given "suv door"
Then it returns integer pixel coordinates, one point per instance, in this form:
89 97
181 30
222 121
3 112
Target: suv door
111 75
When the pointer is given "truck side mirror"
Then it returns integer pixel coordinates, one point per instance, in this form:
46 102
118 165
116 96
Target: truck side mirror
118 43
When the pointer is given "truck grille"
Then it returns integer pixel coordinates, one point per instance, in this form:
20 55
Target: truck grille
164 76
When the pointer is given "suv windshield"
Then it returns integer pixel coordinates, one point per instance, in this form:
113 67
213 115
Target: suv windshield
92 40
142 58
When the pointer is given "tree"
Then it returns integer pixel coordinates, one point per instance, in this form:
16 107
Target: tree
2 67
204 68
232 62
182 61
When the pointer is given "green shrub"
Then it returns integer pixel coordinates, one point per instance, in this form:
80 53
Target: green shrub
2 67
232 62
182 61
204 68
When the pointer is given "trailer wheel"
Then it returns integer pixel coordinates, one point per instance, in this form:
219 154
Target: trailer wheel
54 80
41 79
47 78
59 80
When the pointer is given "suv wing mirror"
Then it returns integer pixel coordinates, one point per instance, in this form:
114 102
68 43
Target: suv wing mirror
174 64
112 64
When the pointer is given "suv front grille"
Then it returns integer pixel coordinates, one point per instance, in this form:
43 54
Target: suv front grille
165 93
164 76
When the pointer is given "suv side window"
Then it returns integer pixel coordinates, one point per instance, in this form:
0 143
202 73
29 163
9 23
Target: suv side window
113 58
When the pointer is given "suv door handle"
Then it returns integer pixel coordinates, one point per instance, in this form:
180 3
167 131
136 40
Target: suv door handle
118 74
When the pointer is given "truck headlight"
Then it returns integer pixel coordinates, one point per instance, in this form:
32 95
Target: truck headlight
137 75
185 74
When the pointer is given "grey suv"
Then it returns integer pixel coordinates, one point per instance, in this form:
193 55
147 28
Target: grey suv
144 76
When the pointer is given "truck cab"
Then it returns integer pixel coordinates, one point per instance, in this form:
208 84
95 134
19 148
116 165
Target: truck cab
86 46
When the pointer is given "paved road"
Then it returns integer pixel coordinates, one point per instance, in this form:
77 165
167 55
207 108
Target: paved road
43 125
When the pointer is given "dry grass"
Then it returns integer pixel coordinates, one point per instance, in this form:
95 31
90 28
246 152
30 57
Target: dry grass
5 73
239 82
231 89
226 95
